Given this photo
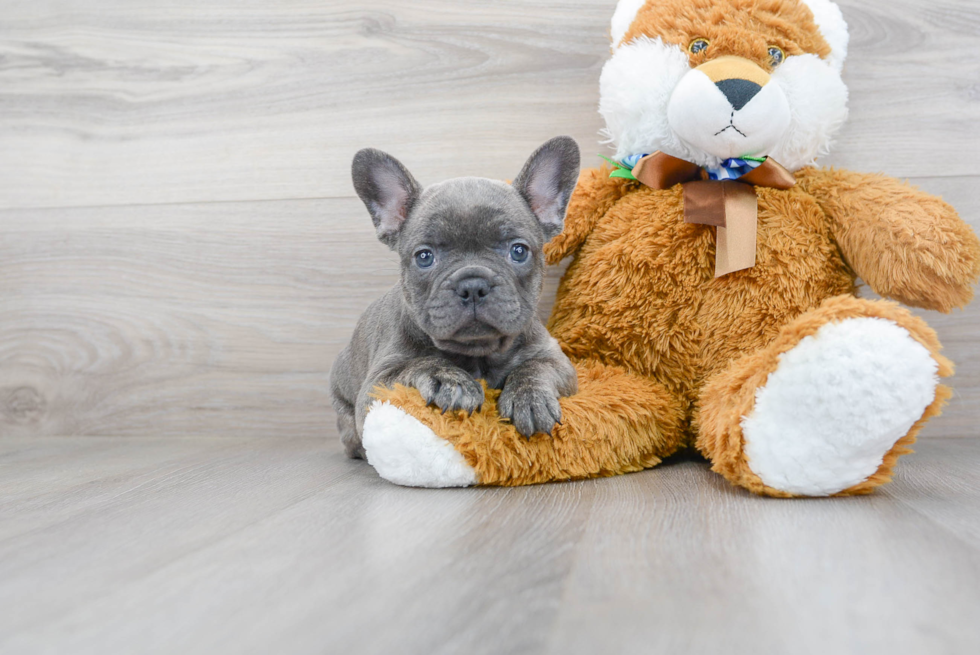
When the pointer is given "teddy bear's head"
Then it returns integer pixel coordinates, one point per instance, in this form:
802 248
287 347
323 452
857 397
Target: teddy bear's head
711 80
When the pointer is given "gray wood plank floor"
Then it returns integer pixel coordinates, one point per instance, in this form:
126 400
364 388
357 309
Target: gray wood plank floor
115 545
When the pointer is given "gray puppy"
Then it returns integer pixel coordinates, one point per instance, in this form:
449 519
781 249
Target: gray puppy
465 308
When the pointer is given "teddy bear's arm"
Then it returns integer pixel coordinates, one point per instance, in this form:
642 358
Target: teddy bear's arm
595 193
906 244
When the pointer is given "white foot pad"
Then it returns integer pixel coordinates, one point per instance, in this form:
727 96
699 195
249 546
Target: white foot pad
404 451
836 403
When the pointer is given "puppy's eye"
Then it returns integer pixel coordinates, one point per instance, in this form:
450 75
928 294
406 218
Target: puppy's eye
424 258
776 55
519 252
698 45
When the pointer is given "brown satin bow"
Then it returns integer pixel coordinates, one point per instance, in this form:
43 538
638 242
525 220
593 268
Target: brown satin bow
730 205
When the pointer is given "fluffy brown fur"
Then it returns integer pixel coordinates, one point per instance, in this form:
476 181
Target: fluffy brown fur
730 394
730 29
906 244
617 423
641 291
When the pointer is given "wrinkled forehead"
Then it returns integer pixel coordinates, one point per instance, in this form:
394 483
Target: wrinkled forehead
734 27
470 213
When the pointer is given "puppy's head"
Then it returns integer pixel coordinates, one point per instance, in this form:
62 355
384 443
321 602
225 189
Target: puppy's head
470 248
708 80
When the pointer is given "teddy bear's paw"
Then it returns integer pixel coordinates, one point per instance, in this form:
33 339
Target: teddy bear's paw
404 451
836 404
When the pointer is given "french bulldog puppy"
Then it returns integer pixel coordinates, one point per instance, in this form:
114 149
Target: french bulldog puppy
465 307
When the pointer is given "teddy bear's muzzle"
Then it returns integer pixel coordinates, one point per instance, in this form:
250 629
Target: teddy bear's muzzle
729 107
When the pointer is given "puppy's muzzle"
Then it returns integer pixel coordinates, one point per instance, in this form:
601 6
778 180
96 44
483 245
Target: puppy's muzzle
472 284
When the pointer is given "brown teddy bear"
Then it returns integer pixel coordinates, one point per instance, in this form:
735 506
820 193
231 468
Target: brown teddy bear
711 299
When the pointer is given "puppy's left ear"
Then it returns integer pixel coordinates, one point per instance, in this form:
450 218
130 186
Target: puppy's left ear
547 181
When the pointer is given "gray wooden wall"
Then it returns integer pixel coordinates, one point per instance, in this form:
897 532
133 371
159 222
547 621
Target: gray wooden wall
180 249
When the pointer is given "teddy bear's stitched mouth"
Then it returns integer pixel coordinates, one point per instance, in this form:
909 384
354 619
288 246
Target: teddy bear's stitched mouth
731 126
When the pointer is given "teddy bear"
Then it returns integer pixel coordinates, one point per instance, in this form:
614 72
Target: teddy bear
710 301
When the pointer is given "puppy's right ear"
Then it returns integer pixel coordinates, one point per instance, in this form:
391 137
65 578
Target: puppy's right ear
547 181
387 189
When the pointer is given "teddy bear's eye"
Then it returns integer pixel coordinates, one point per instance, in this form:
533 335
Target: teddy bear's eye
776 55
698 45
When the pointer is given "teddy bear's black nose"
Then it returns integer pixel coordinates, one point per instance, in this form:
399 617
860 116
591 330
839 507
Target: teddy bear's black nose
738 91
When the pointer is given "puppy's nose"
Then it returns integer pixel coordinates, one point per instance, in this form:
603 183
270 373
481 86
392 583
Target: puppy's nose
473 289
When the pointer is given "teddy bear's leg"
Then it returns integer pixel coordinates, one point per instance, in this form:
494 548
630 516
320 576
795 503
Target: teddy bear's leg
829 406
616 423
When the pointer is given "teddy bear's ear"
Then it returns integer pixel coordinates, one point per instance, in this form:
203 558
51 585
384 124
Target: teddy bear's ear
547 180
387 189
626 11
830 20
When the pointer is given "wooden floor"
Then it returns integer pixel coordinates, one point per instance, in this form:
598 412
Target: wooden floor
224 545
182 256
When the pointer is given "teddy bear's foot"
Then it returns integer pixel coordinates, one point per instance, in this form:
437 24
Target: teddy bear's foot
406 452
836 403
829 407
617 422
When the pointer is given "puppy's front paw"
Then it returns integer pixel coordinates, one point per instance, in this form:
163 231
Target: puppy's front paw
531 410
449 389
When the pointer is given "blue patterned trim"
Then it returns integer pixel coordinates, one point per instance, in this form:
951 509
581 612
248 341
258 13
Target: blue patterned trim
732 169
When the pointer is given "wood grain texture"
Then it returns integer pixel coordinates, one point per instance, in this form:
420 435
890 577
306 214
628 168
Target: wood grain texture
112 545
201 260
222 319
114 102
205 319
